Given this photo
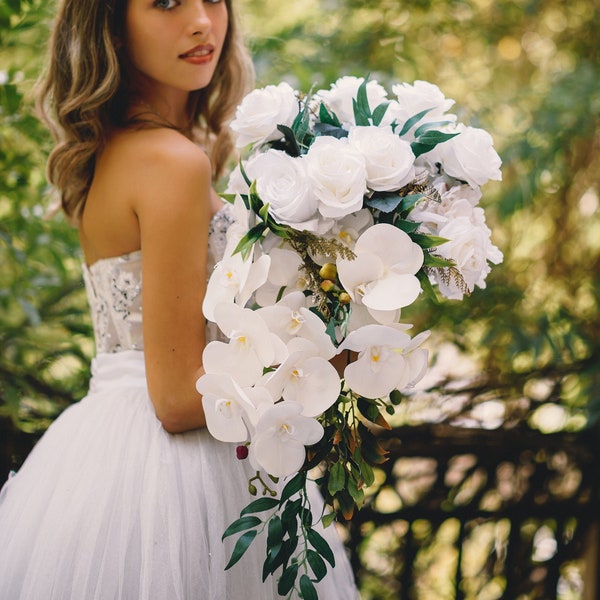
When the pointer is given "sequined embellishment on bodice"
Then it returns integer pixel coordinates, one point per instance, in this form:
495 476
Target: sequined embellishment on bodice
114 289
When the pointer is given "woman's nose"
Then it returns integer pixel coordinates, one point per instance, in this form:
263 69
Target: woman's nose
199 23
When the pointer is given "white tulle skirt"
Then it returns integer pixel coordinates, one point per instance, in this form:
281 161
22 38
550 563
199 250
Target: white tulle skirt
109 506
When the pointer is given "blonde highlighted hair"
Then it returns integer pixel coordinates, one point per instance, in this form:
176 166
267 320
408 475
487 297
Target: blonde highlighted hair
86 90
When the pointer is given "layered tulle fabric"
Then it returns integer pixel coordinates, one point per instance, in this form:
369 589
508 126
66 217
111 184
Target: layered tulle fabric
109 506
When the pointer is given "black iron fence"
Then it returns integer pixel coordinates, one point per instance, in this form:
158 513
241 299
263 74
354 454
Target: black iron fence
474 514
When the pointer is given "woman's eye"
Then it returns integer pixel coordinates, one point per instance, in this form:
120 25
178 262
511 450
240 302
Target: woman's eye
165 4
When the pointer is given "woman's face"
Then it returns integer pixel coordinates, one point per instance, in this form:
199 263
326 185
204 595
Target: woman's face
174 45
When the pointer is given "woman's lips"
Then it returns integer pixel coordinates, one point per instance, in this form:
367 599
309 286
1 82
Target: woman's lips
198 55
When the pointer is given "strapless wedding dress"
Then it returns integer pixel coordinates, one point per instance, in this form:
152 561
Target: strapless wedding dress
109 506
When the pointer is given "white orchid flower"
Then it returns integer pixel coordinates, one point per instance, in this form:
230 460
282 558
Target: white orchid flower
384 360
282 433
225 406
382 276
291 318
234 280
251 348
306 378
284 276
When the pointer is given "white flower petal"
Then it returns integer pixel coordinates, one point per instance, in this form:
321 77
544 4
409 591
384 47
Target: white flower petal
392 292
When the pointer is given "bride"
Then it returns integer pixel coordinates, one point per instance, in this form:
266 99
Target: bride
127 495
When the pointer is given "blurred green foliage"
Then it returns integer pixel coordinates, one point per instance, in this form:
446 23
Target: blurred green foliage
528 71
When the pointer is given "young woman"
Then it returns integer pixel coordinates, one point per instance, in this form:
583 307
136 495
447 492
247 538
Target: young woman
127 495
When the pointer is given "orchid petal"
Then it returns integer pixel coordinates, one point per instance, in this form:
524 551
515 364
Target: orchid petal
257 275
234 360
281 434
315 384
369 377
225 406
392 292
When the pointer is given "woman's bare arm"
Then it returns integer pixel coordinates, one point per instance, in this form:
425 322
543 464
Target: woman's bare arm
174 210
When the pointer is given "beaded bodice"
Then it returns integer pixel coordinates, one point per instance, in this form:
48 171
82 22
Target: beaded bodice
114 290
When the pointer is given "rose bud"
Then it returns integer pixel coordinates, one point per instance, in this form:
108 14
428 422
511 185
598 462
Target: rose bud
241 452
344 298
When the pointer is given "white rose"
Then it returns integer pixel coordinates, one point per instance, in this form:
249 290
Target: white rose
281 182
470 156
470 247
458 201
260 112
341 94
338 176
422 95
389 160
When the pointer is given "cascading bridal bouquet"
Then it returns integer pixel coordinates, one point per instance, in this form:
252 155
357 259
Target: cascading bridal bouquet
348 205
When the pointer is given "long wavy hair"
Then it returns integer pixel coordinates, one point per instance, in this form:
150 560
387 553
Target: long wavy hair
86 91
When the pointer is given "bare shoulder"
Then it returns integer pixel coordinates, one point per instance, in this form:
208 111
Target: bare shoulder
162 165
153 153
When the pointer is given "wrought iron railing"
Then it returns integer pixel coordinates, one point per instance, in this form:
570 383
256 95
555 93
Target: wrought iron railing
473 514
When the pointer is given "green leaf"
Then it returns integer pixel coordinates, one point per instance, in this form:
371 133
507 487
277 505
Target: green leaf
275 534
430 260
428 241
293 486
244 174
317 564
260 505
292 147
240 547
241 524
245 244
357 495
280 558
429 290
366 469
407 226
419 149
230 198
386 202
266 571
330 330
379 112
328 117
301 125
289 517
360 104
317 541
436 137
413 121
429 140
331 130
306 517
255 201
409 201
431 125
263 213
328 519
287 580
337 478
307 588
